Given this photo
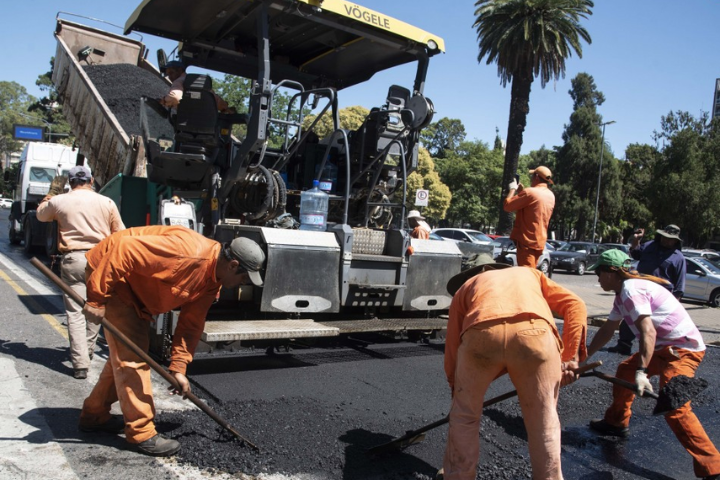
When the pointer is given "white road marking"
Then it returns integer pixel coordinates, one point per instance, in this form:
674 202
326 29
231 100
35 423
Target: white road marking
25 277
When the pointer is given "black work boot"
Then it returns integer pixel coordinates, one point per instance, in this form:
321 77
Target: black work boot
159 446
622 348
604 428
116 424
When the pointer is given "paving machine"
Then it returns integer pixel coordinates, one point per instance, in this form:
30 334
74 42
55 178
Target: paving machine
364 273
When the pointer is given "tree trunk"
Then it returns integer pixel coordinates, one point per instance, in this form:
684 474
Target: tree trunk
519 109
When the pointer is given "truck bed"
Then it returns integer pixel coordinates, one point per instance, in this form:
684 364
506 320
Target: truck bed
100 130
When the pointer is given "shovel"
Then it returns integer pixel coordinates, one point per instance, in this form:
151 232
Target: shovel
140 353
413 437
677 391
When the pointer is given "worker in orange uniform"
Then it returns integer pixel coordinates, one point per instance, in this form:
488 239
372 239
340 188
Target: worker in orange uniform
175 71
533 207
146 271
501 321
420 228
84 218
670 345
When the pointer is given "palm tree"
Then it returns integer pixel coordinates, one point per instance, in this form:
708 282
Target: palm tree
527 39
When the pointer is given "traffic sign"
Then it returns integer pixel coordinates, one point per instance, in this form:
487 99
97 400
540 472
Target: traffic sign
421 198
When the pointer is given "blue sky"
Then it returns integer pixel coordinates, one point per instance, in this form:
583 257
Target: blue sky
647 56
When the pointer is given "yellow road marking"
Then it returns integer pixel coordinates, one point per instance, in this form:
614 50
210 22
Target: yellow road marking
59 327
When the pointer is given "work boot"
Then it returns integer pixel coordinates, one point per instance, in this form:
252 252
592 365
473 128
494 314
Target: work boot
604 428
115 425
159 446
440 475
621 348
80 373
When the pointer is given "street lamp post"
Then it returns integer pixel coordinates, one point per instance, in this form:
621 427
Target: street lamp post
602 151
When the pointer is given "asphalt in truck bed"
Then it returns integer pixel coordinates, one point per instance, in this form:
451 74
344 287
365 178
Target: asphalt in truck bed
314 412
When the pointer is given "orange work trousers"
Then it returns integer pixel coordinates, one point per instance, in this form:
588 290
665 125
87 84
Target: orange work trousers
125 377
527 257
529 352
669 362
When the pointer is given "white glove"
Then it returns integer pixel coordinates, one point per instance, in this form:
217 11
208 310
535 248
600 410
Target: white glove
513 185
643 384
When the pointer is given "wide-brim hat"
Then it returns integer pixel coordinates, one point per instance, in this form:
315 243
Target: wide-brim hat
415 214
671 231
479 262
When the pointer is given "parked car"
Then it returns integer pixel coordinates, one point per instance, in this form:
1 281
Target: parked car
5 203
702 280
508 254
557 244
576 256
618 246
711 255
463 235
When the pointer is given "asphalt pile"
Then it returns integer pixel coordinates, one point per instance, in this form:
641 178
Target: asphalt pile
303 434
121 86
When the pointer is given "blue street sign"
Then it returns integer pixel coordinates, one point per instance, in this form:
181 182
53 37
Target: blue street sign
28 132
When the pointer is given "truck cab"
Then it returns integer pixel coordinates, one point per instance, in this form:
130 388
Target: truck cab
39 164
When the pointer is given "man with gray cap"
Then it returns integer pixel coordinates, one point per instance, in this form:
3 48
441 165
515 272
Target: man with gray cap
661 257
134 275
84 219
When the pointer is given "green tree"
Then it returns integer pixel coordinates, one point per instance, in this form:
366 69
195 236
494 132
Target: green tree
443 136
351 118
637 186
427 178
14 103
473 174
527 39
686 178
577 168
47 108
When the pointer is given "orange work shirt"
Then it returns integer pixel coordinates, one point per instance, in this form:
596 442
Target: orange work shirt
515 293
533 207
420 233
158 269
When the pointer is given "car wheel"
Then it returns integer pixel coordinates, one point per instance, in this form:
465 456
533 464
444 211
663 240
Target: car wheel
544 268
715 298
581 269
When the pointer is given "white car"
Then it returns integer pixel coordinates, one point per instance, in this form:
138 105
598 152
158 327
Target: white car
463 235
702 280
711 255
5 203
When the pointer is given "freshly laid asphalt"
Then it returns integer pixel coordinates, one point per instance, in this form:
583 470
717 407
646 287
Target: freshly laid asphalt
313 412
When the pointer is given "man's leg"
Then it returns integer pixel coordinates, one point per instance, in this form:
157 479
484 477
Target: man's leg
479 363
533 363
527 257
683 422
619 412
132 383
73 273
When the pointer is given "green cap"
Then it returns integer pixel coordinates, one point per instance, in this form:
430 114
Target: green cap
613 258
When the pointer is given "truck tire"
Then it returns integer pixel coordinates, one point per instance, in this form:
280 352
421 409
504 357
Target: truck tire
28 246
13 234
51 239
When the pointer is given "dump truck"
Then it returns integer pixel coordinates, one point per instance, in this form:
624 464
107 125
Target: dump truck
364 273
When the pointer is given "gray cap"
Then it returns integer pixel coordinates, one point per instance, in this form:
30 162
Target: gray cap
79 172
250 256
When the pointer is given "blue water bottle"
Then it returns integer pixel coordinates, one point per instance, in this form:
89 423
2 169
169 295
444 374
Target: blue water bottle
313 209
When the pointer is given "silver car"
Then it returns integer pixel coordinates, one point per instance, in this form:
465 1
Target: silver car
702 280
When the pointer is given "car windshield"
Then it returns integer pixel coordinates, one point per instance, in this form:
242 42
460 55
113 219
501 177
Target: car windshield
710 266
480 237
39 174
573 247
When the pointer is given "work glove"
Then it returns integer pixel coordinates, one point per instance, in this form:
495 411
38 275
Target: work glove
93 315
643 384
513 185
57 186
